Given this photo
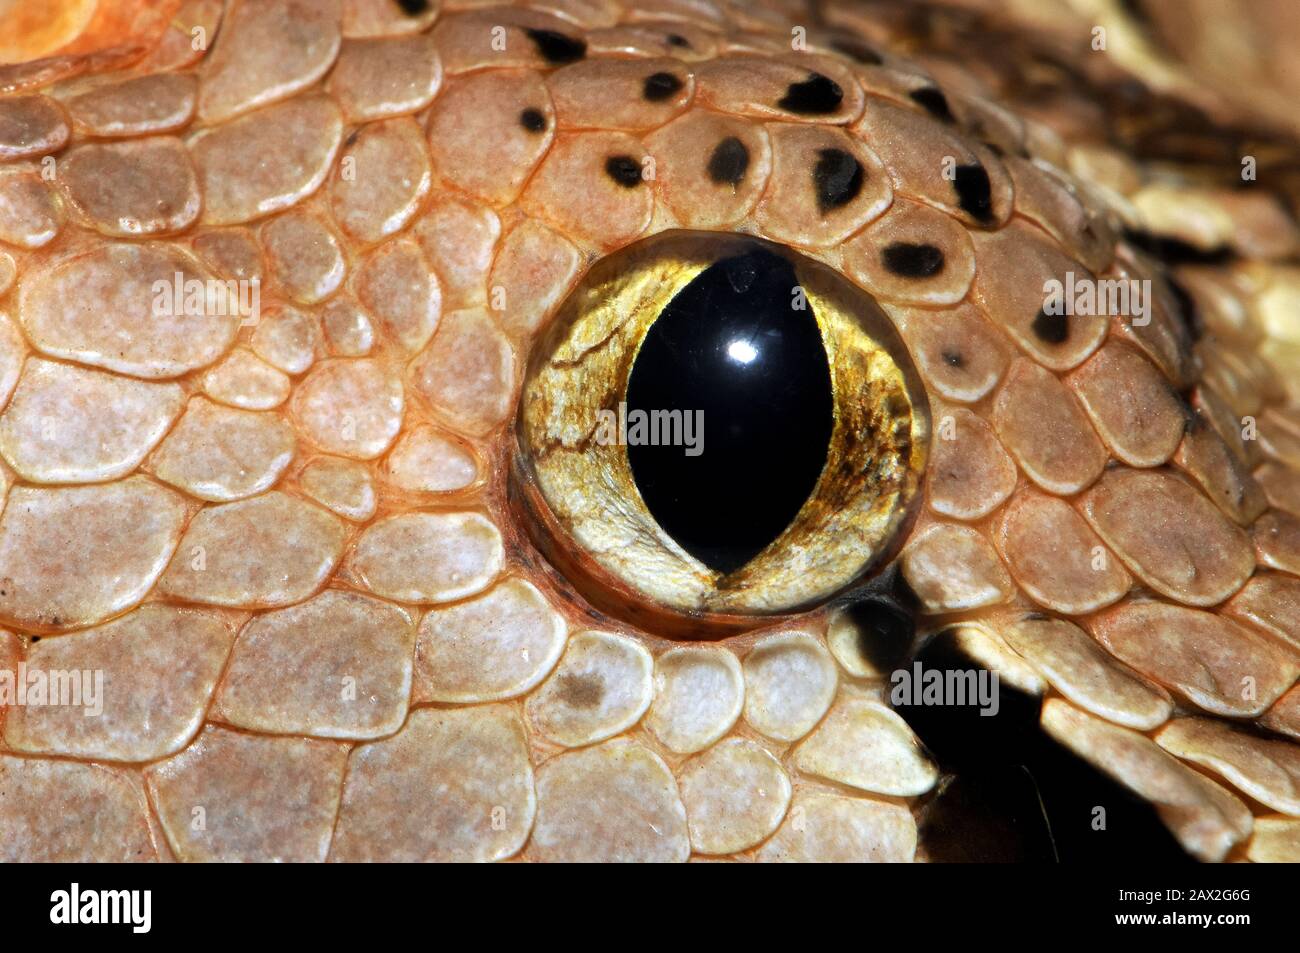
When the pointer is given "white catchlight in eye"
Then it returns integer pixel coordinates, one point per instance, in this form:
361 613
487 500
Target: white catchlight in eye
741 351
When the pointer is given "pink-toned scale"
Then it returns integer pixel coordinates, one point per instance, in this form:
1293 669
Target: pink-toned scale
288 530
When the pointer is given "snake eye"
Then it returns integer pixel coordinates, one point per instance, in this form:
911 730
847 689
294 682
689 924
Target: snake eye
729 347
716 428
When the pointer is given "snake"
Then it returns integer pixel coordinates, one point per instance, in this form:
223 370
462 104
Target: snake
587 430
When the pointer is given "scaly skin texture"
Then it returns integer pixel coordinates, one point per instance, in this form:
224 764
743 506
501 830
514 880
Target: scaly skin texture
287 543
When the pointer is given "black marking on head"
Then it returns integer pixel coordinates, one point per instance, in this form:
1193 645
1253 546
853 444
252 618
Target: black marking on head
556 47
837 177
912 259
533 120
624 170
815 96
1021 793
987 816
885 630
857 51
660 86
676 39
954 359
933 101
1175 251
1139 14
888 585
974 193
1051 328
413 8
729 162
352 137
1185 309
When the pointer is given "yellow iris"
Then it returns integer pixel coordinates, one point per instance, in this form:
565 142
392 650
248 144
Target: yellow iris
578 494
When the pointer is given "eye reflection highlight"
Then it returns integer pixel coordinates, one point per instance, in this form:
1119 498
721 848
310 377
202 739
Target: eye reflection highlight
741 351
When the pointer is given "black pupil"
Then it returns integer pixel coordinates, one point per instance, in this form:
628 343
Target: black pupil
737 350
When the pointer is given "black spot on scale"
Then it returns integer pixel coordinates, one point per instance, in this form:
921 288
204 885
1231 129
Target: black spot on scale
556 47
676 39
912 260
660 86
974 193
1051 328
933 101
815 96
580 690
729 162
624 170
954 359
413 8
837 178
533 120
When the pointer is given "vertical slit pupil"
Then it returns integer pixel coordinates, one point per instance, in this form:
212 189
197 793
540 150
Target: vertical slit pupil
733 361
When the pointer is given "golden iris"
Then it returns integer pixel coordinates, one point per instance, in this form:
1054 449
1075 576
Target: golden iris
576 487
